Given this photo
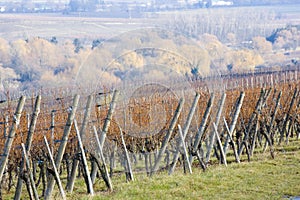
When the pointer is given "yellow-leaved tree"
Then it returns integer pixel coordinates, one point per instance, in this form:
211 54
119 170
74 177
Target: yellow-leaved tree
262 45
216 50
5 58
243 60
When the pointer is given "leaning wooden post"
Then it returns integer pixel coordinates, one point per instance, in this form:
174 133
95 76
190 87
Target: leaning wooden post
202 127
84 162
213 134
63 145
237 159
184 149
186 127
109 117
250 123
287 118
32 183
220 145
131 178
270 131
238 107
11 136
56 174
70 184
28 145
106 127
168 136
103 168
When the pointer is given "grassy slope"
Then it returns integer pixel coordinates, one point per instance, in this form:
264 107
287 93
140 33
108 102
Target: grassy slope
262 178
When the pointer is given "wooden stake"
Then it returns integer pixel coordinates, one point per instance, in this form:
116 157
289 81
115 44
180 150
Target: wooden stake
11 136
237 159
106 126
56 174
223 157
186 127
271 131
63 145
127 157
287 119
202 126
32 126
87 113
84 161
109 117
238 106
250 124
212 136
184 149
168 136
103 167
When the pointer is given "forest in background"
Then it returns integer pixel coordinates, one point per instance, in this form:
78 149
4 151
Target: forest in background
223 41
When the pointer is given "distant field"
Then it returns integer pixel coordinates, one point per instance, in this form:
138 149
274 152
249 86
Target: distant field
80 25
15 26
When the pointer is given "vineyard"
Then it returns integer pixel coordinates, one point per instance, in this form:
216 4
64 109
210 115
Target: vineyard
142 127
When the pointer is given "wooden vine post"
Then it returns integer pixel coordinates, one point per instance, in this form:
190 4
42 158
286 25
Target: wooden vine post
223 157
106 127
237 159
62 146
28 145
212 135
230 130
184 149
250 123
109 117
70 184
84 162
201 129
11 136
186 127
270 130
56 174
100 160
168 136
128 163
238 107
284 131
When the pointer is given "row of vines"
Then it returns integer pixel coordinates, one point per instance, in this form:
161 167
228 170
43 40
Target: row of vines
53 137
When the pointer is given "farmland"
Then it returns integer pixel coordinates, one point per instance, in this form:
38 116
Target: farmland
162 98
16 26
135 142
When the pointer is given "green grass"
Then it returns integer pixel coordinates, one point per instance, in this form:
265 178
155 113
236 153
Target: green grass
263 178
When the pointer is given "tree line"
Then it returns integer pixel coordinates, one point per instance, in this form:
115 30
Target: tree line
42 62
